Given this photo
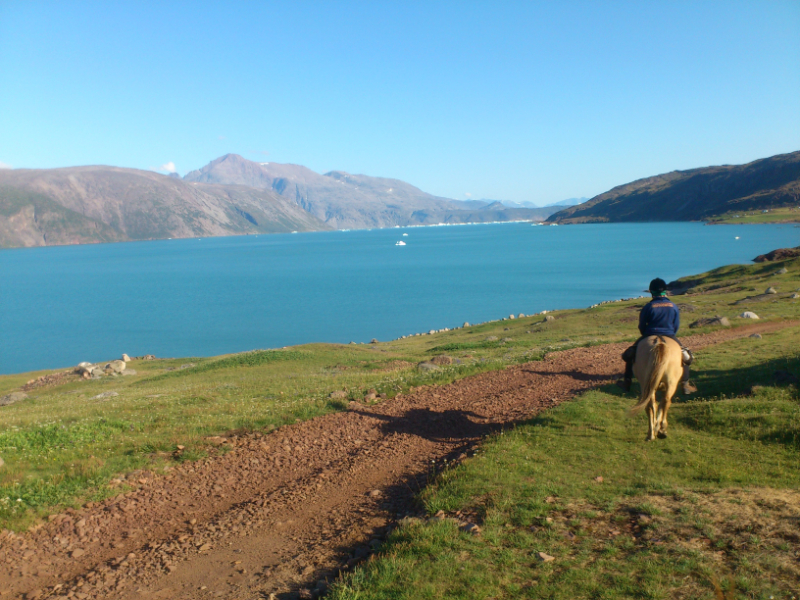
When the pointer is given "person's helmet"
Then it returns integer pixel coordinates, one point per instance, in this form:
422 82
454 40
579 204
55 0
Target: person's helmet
658 286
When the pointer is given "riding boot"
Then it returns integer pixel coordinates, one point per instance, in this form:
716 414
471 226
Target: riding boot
687 387
627 381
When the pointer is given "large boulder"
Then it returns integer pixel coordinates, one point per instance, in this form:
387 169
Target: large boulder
115 367
126 358
12 398
427 366
711 321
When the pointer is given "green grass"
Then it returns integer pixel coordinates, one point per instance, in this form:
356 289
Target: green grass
718 501
775 215
63 446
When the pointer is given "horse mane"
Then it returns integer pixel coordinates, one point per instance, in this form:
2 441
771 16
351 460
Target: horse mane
659 355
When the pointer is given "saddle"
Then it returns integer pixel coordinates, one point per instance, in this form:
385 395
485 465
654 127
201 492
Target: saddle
630 355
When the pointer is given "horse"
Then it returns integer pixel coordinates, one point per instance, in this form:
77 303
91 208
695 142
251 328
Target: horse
658 366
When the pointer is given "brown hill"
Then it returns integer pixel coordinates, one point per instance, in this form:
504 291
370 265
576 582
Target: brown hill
99 204
697 194
347 201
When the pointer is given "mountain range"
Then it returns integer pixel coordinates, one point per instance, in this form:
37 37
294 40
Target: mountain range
696 194
229 196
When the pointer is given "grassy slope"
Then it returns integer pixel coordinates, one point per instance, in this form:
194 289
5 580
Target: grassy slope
63 446
718 501
775 215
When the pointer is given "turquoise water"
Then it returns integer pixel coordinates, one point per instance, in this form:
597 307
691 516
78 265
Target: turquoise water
63 305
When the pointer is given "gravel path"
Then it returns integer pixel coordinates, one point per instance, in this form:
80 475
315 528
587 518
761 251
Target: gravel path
281 512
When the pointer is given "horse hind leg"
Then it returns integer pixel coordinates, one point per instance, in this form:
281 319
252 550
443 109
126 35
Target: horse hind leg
651 417
663 409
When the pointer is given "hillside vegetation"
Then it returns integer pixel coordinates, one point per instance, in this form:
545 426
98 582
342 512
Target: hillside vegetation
730 193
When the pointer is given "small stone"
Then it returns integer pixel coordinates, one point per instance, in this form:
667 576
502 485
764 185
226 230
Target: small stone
373 341
770 290
544 557
491 338
427 366
756 336
375 493
748 315
77 553
204 548
599 479
795 296
126 358
337 394
472 528
549 318
466 324
782 271
521 316
511 317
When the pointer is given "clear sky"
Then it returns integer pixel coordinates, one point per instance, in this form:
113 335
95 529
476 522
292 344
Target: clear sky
524 101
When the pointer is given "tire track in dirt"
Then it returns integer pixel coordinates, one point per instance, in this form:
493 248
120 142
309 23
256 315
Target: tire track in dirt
283 511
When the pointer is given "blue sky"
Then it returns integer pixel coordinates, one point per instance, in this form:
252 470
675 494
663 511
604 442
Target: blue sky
528 101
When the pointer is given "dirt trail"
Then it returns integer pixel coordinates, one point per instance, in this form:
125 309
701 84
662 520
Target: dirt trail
281 512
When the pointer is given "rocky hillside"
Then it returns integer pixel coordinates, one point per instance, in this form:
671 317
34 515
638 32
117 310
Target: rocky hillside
697 194
105 204
346 201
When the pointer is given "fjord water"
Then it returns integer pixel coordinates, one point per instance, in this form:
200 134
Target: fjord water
200 297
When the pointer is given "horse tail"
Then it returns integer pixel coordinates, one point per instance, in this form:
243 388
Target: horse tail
657 371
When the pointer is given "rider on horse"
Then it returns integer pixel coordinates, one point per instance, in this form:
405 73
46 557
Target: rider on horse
659 317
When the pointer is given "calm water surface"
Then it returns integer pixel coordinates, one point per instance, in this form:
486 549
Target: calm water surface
63 305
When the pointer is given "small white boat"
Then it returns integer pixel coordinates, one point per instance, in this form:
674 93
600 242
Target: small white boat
400 243
737 237
405 235
553 224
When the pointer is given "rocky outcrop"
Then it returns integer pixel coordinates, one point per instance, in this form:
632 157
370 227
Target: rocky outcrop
779 254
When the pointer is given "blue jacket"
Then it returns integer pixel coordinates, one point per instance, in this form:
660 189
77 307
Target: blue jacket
659 317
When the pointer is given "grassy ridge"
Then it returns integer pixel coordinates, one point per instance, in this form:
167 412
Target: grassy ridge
716 504
67 444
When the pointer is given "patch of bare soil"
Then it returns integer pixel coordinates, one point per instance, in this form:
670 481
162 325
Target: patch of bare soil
282 513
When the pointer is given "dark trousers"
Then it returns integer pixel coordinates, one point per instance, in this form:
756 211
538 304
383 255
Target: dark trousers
630 355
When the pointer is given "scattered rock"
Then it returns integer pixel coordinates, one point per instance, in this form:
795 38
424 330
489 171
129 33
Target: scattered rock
511 317
491 338
12 398
795 296
373 341
427 366
77 553
598 479
782 271
370 396
339 394
549 318
126 358
188 366
748 315
442 360
507 339
544 557
105 395
375 493
756 336
521 316
713 321
466 324
148 357
770 290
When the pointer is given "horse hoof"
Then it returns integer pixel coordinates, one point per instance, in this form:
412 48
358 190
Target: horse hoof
662 435
649 439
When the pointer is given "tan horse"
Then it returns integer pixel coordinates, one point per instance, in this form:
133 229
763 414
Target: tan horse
658 366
